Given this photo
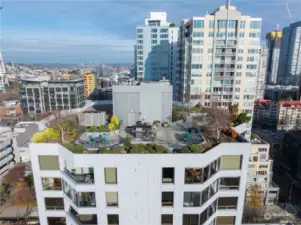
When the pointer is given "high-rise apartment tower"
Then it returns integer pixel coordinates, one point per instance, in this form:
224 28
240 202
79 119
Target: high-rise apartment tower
218 56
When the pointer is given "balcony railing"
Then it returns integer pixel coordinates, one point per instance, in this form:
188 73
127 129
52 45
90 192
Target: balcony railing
225 187
227 207
81 178
58 207
76 217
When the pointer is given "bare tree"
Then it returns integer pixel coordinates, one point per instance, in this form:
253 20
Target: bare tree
64 126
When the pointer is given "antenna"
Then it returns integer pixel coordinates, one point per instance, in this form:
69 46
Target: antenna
278 27
228 2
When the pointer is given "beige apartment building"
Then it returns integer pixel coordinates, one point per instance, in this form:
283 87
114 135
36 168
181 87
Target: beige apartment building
218 59
260 170
289 115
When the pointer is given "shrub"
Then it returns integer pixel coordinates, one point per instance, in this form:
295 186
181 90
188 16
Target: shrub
74 148
111 127
137 149
157 122
93 128
102 128
115 121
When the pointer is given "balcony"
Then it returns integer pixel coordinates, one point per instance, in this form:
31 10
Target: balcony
54 203
87 219
227 203
80 177
229 183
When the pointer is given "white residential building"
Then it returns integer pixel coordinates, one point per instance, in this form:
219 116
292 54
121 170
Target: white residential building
289 115
219 56
260 170
156 48
122 189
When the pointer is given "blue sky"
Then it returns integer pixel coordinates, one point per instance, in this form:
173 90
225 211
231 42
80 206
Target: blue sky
104 30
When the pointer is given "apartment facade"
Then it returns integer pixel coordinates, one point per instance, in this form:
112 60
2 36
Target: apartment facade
156 48
219 56
42 96
111 189
274 45
281 92
262 72
265 112
290 55
146 102
260 171
289 115
90 83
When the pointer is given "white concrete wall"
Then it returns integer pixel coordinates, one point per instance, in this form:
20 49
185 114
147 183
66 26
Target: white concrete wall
139 184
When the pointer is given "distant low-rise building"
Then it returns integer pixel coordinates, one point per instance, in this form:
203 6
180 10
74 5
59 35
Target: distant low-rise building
265 112
289 115
38 96
10 108
141 101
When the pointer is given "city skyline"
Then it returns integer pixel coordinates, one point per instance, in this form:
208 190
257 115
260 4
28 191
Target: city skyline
52 31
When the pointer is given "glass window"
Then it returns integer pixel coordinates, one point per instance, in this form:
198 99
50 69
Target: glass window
198 24
163 30
51 183
197 42
227 202
198 34
231 162
232 23
113 219
190 219
168 175
111 175
49 162
139 30
229 183
139 36
242 24
222 23
193 175
167 198
255 24
221 220
192 199
166 219
112 198
211 34
54 203
154 41
154 30
211 24
154 36
205 195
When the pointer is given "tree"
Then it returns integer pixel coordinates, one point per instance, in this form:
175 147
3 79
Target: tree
172 25
48 135
115 121
233 109
254 197
93 128
111 127
242 118
63 127
102 128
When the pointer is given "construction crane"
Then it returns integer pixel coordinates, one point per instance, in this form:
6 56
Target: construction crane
288 11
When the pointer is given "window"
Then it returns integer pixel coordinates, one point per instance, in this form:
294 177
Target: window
211 24
190 219
231 162
255 24
232 24
112 198
154 36
54 203
227 202
229 183
164 36
166 219
253 51
211 34
168 175
113 219
163 30
241 34
154 30
52 183
198 24
197 50
154 41
167 198
193 175
139 36
242 24
111 175
139 30
49 162
222 23
192 199
251 67
254 35
198 34
196 66
197 42
262 157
